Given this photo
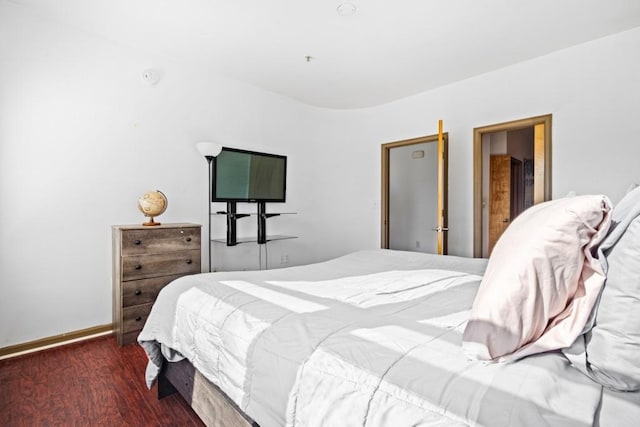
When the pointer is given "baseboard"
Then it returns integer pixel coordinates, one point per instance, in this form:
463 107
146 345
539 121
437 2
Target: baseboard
55 341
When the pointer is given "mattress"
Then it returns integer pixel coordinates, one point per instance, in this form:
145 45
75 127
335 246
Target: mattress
372 338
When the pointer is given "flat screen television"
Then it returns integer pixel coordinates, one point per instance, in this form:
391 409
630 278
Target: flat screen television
248 176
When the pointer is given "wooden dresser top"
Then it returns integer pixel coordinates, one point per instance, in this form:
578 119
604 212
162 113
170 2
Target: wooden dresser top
163 225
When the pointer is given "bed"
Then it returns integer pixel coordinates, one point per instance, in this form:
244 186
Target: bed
384 338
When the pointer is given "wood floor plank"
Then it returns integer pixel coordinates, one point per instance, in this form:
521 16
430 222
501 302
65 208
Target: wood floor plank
92 382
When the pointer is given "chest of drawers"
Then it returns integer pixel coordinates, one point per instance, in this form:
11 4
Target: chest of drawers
145 259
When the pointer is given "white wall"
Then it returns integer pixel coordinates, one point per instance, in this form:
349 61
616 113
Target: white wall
82 137
592 91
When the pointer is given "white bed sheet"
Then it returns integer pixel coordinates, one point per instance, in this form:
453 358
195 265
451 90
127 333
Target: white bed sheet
303 347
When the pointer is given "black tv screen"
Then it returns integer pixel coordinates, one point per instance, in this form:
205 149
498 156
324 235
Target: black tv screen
249 176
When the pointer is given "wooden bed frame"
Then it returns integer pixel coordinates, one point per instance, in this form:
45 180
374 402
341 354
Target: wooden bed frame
211 404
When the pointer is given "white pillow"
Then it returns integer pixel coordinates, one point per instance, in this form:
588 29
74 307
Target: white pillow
614 346
541 282
610 353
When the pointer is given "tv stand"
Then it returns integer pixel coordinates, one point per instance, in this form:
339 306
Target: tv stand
233 216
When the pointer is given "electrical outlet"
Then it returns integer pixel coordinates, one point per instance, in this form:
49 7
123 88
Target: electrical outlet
284 259
417 244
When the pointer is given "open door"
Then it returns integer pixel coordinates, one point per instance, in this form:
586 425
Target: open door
414 194
441 229
506 194
500 180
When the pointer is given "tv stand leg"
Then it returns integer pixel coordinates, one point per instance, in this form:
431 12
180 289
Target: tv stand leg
232 237
262 223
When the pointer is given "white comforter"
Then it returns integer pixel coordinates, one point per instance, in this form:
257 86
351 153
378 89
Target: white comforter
369 339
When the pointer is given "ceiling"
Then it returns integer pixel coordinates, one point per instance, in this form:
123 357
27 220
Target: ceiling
386 51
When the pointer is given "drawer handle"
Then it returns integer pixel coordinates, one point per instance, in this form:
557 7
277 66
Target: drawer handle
137 242
139 318
138 292
189 261
138 267
188 239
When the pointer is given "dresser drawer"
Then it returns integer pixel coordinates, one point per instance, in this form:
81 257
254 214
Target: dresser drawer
144 291
133 318
160 240
164 264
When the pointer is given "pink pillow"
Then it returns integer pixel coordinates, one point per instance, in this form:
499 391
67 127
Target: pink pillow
541 282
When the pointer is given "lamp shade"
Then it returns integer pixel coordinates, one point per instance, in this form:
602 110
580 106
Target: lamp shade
209 149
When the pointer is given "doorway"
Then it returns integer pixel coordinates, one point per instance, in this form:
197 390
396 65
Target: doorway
512 172
414 189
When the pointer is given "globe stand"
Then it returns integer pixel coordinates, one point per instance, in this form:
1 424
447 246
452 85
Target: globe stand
150 223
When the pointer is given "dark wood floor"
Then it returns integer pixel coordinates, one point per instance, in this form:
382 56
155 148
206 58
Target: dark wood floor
91 383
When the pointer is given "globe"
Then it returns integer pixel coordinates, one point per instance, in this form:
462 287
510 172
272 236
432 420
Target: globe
152 204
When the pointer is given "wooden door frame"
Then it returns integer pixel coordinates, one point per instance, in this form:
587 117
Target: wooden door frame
478 173
385 158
